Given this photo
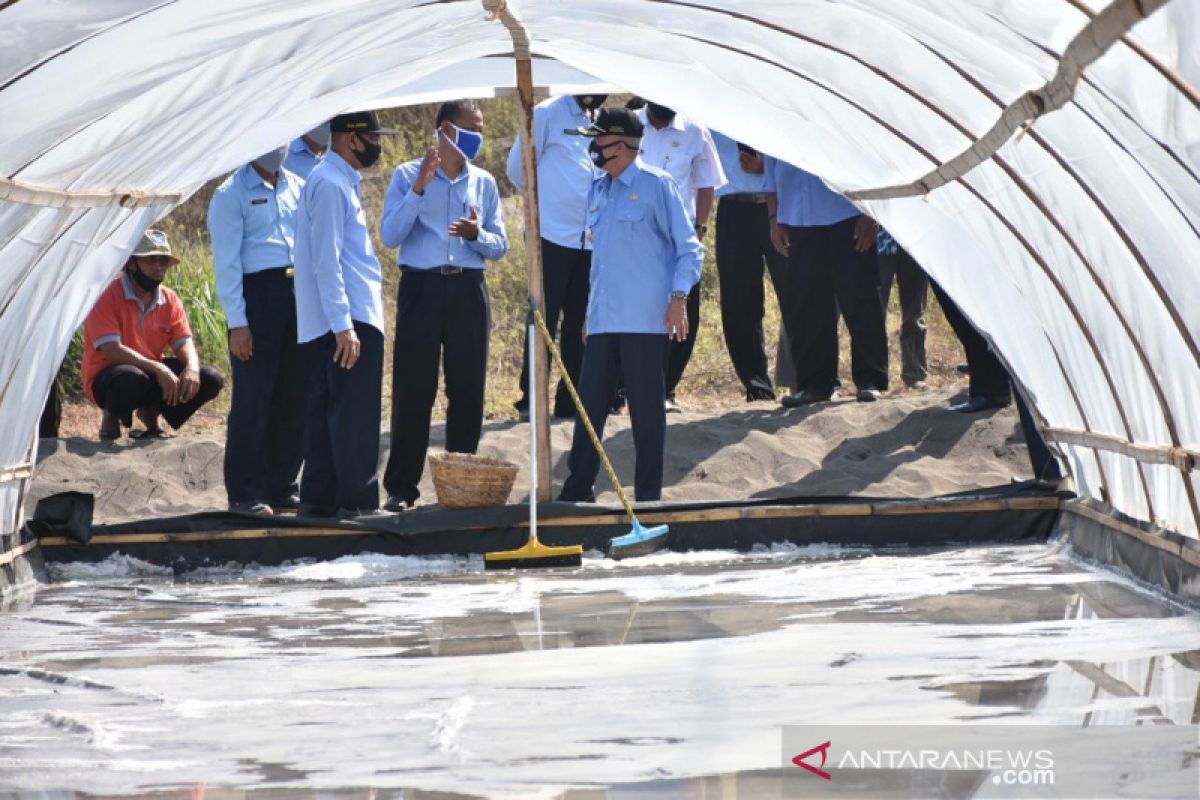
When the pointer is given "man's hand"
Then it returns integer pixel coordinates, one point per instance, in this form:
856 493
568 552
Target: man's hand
677 319
752 164
866 230
167 382
241 343
779 237
189 383
466 227
429 165
348 348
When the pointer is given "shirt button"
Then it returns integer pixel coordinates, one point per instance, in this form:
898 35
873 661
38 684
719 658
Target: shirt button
451 258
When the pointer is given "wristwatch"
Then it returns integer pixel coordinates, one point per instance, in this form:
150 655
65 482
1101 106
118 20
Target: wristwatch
679 295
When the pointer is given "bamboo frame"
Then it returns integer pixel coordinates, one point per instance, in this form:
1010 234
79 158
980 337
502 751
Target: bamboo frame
1181 458
12 555
16 472
33 195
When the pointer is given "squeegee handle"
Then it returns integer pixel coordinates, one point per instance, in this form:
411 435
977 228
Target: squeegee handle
583 417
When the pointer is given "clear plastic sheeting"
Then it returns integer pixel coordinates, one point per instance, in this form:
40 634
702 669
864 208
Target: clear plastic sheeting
1074 247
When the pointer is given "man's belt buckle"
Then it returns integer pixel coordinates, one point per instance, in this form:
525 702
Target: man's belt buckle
450 270
290 272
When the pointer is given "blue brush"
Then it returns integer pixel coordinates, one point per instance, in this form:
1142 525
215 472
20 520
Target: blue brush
638 542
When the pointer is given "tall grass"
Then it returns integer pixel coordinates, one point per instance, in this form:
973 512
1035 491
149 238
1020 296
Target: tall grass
709 380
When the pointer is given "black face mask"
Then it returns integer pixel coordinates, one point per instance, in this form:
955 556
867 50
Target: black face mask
369 154
142 279
597 153
661 113
590 102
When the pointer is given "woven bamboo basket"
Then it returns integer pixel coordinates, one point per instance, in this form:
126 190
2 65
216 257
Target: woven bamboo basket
463 480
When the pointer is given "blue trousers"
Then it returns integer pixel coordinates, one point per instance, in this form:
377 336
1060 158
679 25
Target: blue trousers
341 461
638 360
264 444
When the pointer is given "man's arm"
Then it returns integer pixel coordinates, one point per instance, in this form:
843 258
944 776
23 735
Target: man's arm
688 259
328 215
401 206
515 167
226 227
189 377
704 204
707 176
779 236
492 241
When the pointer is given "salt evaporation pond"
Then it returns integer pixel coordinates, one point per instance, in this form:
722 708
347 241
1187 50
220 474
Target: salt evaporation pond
668 677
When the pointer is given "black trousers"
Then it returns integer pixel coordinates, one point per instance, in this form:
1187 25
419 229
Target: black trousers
341 458
565 277
680 353
440 319
743 245
913 285
124 388
51 413
637 360
989 378
264 443
825 273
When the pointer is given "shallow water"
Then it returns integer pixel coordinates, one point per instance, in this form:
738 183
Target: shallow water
667 677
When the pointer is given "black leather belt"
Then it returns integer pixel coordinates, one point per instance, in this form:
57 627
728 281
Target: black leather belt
746 197
436 270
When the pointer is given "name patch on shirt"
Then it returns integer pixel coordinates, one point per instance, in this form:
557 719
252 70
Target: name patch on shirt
258 201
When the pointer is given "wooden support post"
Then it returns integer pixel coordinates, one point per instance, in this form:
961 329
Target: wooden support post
533 252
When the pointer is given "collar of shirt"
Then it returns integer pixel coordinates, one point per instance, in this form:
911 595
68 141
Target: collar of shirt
130 294
353 176
462 173
676 123
250 179
301 146
629 173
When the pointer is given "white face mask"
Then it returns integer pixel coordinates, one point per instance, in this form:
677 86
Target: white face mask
272 161
321 134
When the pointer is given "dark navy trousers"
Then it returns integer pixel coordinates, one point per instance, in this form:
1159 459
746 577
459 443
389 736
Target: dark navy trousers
264 445
638 360
341 461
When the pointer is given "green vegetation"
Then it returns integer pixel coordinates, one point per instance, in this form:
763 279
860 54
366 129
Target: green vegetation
709 381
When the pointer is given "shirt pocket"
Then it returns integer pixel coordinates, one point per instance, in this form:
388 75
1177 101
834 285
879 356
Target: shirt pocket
631 215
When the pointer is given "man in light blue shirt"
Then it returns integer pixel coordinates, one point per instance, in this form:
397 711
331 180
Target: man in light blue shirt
645 261
444 214
832 265
252 222
339 308
305 152
565 175
743 245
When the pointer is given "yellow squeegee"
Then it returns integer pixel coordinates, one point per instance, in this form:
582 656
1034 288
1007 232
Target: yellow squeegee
534 554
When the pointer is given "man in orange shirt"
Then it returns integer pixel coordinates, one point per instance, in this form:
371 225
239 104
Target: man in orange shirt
133 323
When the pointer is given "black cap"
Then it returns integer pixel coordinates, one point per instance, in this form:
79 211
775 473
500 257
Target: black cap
359 122
613 122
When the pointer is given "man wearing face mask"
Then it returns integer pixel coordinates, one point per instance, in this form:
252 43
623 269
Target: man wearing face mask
307 151
339 308
686 152
565 175
444 214
645 261
131 325
252 222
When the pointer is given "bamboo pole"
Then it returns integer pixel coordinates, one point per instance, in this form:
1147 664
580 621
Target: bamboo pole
533 252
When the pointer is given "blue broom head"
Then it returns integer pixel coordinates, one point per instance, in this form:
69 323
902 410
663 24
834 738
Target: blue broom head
639 541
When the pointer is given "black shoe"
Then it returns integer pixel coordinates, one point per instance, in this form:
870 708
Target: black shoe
356 513
250 507
757 393
978 403
868 395
618 403
964 369
805 398
671 406
396 504
288 503
312 510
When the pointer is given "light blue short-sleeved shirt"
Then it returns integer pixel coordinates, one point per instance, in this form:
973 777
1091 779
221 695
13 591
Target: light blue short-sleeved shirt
565 171
338 277
253 228
738 181
803 199
420 224
301 160
644 248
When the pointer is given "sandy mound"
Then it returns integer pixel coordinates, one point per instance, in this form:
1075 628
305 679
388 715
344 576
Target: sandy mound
909 446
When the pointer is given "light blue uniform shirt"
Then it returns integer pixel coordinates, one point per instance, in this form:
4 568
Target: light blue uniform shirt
565 171
253 228
419 224
301 160
738 181
338 278
803 199
644 248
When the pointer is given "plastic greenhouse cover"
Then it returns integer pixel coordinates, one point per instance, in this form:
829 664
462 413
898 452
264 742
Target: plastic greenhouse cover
1073 248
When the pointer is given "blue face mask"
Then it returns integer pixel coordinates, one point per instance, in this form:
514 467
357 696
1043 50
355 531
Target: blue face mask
469 143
